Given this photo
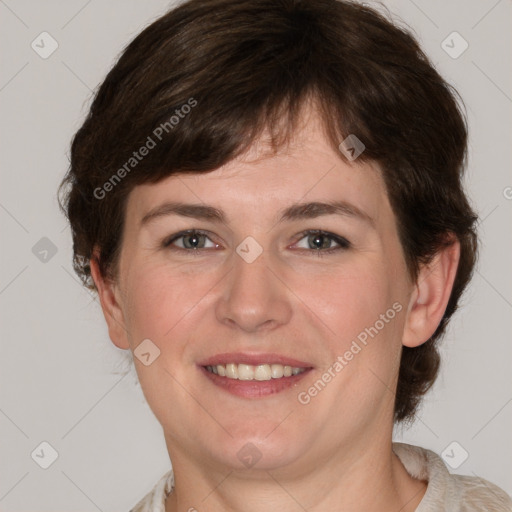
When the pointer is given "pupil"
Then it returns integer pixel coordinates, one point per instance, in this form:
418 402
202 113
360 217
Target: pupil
316 239
195 239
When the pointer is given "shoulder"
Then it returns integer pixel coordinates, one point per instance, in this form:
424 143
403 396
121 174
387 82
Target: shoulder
154 501
478 494
446 491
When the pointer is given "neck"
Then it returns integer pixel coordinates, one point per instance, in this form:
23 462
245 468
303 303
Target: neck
364 478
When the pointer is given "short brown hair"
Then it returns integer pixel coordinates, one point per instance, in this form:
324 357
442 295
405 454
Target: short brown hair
250 65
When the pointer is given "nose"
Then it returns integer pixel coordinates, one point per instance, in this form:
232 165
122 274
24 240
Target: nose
255 296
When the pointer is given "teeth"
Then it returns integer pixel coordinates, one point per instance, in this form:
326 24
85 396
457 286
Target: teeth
262 372
231 370
251 372
245 372
277 371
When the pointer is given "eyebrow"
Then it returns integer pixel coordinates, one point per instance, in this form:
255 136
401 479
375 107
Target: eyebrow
296 211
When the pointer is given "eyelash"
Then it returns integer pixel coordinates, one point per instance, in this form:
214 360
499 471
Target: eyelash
343 243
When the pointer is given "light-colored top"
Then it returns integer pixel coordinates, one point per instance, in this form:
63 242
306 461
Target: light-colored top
445 492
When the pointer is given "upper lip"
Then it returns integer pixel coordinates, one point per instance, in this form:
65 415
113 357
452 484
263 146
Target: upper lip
253 359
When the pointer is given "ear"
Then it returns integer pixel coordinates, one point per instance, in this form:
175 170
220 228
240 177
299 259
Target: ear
431 294
110 300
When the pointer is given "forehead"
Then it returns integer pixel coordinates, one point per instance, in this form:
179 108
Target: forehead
308 169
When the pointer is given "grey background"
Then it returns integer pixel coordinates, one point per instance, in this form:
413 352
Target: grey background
62 380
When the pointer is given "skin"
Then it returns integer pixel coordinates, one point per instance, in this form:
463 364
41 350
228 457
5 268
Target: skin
334 453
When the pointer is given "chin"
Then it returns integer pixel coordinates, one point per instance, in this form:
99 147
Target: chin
268 448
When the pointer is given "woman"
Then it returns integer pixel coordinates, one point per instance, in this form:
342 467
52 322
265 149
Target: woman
264 198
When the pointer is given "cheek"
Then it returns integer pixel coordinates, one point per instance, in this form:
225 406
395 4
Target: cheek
347 302
164 303
157 300
362 347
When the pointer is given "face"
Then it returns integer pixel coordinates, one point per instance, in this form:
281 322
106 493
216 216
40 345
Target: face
264 287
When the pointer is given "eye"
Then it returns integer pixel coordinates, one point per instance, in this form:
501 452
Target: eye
317 241
191 240
320 241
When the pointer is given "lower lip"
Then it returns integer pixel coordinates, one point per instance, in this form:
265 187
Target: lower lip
254 388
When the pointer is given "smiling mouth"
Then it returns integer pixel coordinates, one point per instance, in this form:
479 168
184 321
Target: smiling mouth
259 372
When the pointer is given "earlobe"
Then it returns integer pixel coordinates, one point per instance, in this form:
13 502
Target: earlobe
109 300
430 296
